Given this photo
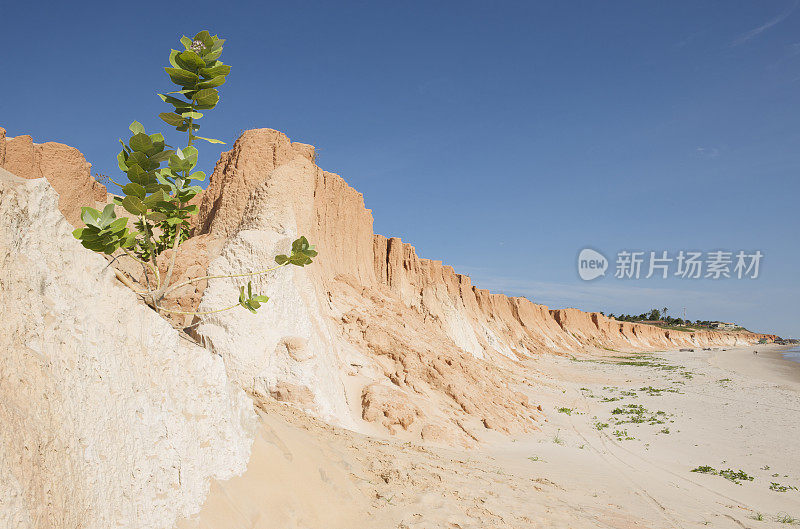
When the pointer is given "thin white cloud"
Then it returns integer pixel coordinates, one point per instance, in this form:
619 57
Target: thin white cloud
763 27
708 152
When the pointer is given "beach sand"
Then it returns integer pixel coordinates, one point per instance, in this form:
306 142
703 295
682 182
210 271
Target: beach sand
619 454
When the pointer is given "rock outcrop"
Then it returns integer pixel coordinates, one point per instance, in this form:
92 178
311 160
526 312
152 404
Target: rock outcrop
109 418
64 167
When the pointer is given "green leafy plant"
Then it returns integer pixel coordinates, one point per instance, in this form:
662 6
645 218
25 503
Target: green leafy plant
557 438
784 517
731 475
777 487
159 197
251 302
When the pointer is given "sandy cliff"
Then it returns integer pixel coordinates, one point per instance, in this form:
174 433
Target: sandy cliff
108 417
371 336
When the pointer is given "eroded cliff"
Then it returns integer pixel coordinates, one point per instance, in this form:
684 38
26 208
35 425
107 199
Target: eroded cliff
371 336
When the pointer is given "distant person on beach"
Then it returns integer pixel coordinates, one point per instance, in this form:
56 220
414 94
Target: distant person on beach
755 352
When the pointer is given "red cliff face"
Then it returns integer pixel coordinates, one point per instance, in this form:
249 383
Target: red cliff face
478 321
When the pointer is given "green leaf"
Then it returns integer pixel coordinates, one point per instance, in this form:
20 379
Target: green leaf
188 153
141 142
179 165
155 198
205 37
198 175
158 142
213 82
302 252
134 205
89 216
156 216
210 140
212 55
281 259
161 156
191 115
129 240
207 96
172 55
121 161
135 190
106 216
135 173
119 224
78 233
166 182
186 41
248 300
181 77
136 128
191 61
174 101
171 118
214 71
218 42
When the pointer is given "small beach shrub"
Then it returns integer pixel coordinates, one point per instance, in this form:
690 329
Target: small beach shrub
557 438
731 475
783 517
777 487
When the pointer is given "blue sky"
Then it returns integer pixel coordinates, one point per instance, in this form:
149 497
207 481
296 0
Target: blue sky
499 138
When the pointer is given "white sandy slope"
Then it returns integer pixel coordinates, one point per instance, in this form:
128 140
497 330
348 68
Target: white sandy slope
107 417
305 474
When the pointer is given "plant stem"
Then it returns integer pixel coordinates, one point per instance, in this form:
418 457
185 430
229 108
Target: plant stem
162 291
222 276
144 263
198 313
